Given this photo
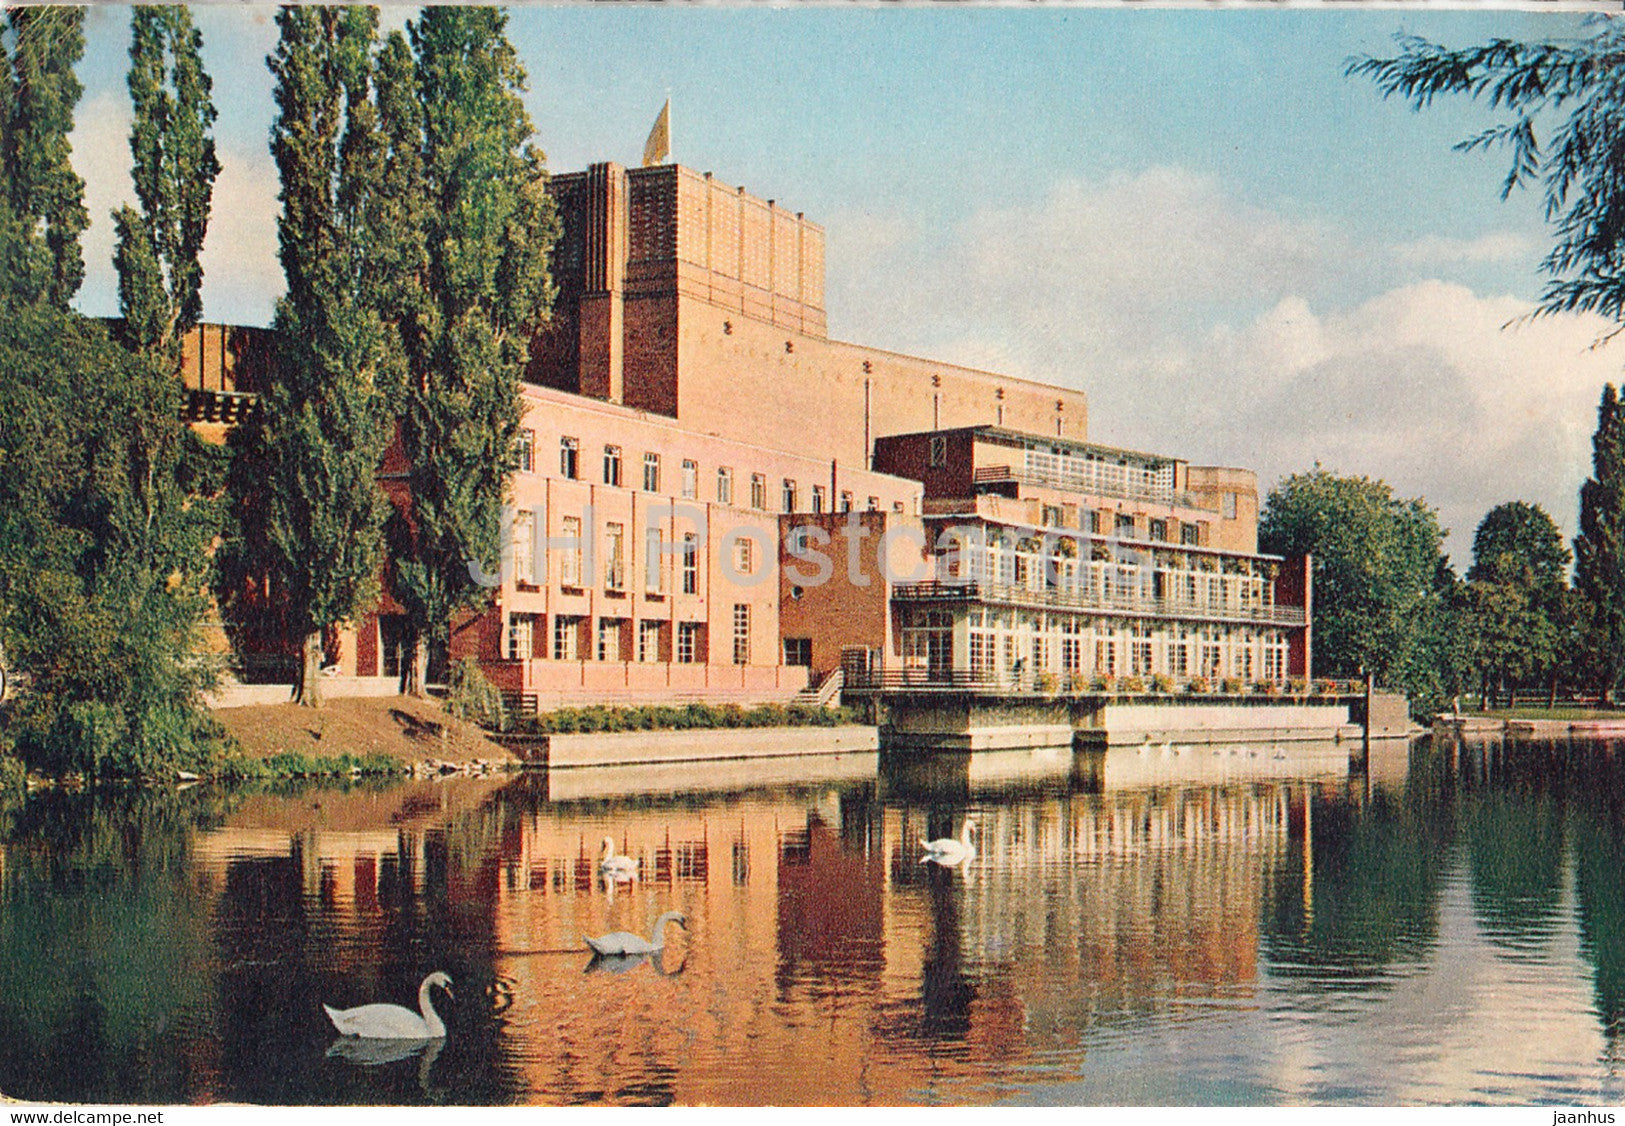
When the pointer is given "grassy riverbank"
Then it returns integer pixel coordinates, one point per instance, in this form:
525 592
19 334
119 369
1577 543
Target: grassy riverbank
371 734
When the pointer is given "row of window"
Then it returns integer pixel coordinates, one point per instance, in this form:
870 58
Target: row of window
571 556
574 638
790 495
1018 643
1125 525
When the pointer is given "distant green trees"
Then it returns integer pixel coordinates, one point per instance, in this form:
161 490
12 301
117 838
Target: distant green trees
1379 575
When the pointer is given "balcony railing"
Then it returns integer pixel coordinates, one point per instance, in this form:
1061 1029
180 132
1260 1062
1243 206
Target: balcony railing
1124 605
991 682
1125 490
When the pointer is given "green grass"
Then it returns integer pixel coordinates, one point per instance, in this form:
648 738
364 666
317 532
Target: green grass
1569 714
294 764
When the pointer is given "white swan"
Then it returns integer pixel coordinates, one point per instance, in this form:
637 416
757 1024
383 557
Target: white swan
616 867
394 1022
949 851
623 942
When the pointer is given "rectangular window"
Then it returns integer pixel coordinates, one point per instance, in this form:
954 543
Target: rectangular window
1125 525
744 556
569 458
524 548
570 548
939 452
689 647
1159 529
798 651
521 636
758 491
612 465
691 563
725 485
566 637
846 501
818 499
651 473
654 565
691 479
1229 506
614 557
527 451
741 633
1094 521
648 642
1051 516
874 504
1190 534
609 639
789 497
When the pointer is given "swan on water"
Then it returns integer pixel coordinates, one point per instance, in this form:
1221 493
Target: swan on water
948 850
623 942
616 867
395 1022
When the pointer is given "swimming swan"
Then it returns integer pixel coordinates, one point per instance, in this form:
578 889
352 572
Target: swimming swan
394 1022
616 867
622 942
948 850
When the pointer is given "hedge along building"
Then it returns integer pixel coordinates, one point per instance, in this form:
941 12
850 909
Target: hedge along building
693 441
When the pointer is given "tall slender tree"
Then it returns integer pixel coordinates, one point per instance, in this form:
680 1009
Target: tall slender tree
488 228
309 509
1599 549
42 210
157 248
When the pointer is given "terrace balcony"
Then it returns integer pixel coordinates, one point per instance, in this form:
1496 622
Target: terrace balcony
1117 605
1091 479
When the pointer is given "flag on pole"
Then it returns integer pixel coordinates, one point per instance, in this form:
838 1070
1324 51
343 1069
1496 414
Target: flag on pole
658 147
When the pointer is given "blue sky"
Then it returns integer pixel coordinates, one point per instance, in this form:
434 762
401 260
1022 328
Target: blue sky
1243 257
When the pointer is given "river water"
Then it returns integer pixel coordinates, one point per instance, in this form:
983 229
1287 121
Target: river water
1436 924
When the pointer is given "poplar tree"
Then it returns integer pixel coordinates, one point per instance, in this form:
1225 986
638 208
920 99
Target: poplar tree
488 227
157 248
310 510
42 210
1599 549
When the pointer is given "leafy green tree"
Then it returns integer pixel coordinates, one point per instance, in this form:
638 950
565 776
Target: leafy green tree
42 211
157 248
1581 164
1515 599
101 591
488 227
309 509
1377 563
1599 549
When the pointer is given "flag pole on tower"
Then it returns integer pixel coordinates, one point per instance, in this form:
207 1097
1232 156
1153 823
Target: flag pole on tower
658 147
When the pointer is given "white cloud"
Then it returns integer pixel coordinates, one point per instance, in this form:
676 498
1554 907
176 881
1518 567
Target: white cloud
241 275
101 156
1498 246
1215 329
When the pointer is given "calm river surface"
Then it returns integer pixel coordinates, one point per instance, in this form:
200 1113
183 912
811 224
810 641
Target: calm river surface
1254 925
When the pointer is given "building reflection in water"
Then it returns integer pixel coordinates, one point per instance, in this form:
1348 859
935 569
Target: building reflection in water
1114 897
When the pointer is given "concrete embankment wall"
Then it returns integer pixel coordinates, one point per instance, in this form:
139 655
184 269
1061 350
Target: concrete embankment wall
1118 724
626 747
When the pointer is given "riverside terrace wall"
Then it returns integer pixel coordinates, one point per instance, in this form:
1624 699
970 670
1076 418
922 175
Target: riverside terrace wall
957 722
